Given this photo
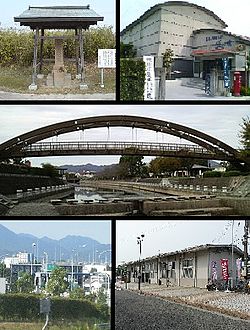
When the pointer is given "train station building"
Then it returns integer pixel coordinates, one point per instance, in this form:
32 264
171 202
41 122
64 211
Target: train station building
195 34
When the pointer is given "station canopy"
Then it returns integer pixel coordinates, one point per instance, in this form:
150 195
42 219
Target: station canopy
58 17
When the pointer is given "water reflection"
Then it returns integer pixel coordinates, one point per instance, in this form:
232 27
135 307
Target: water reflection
84 194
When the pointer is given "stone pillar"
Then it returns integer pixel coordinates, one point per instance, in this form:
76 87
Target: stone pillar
59 77
214 82
59 63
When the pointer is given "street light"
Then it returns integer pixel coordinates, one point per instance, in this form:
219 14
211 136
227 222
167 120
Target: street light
139 242
32 253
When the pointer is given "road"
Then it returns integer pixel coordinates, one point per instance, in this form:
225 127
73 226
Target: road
135 311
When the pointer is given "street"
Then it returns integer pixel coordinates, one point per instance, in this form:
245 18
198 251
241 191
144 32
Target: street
135 311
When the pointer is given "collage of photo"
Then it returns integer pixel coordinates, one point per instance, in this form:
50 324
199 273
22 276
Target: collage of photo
124 165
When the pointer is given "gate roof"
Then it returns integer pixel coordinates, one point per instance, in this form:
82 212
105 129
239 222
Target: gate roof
58 17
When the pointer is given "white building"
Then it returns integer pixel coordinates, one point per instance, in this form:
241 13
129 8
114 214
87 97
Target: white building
195 34
191 267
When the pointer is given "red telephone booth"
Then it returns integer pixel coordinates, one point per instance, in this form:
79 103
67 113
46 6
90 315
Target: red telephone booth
237 83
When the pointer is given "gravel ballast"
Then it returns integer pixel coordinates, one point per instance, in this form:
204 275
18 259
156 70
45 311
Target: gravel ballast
134 311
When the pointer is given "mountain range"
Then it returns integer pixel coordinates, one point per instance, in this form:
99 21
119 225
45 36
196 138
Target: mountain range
86 167
83 248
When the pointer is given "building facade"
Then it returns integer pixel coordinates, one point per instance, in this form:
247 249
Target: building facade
191 267
195 35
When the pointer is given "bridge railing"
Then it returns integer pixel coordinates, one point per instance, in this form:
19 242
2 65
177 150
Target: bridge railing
81 145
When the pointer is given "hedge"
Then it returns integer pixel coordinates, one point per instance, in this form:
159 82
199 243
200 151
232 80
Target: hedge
132 77
26 307
212 174
16 46
16 169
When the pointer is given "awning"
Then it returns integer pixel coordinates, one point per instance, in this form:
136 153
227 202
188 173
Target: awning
213 53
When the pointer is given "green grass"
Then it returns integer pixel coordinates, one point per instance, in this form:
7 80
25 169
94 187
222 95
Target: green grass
13 79
51 326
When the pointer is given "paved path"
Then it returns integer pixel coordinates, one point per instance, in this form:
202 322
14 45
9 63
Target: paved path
19 96
138 312
175 91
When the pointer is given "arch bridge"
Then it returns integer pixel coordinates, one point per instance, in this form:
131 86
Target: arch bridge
203 145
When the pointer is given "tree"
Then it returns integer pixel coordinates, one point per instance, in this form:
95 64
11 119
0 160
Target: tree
127 50
165 165
50 170
131 166
245 135
77 293
25 283
167 61
57 283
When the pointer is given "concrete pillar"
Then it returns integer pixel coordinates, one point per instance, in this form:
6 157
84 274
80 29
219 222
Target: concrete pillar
214 188
19 193
43 189
180 186
29 191
175 186
185 187
197 188
37 190
205 188
191 187
48 187
224 189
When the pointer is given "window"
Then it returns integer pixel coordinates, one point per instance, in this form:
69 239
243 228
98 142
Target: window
187 268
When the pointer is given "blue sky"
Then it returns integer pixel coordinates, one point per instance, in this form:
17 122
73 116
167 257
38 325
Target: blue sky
235 14
220 121
169 236
98 230
12 8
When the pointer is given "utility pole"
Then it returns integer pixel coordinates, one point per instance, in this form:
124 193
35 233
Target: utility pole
245 243
139 241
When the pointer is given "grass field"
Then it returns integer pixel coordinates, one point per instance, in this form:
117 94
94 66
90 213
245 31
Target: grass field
51 326
13 79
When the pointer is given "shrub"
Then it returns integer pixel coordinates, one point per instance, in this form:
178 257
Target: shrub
132 77
231 173
212 174
26 307
17 47
245 91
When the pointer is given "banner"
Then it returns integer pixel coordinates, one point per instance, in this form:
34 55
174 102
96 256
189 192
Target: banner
149 87
214 271
238 267
226 73
224 269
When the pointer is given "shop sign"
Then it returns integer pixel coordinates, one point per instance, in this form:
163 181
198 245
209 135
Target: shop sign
149 87
226 73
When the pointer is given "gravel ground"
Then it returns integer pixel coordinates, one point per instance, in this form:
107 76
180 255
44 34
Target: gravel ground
134 311
232 303
33 209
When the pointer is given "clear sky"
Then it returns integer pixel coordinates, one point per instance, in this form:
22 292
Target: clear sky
12 8
98 230
220 121
169 236
234 14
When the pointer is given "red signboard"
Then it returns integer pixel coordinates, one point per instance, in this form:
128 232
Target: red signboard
224 268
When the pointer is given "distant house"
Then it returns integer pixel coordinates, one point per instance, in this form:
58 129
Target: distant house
191 267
